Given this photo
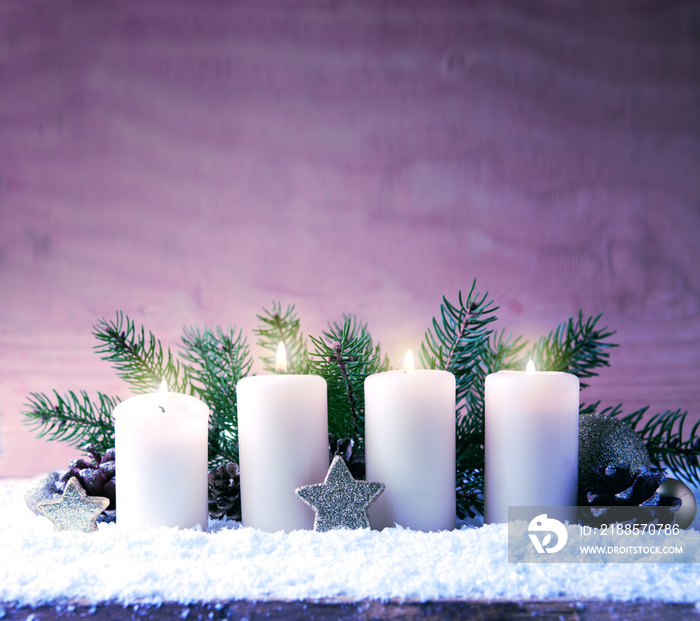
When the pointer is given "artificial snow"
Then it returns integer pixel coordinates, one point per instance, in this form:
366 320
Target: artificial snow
38 566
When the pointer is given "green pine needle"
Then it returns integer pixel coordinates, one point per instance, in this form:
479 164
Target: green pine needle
577 346
217 359
275 327
138 359
458 342
344 356
663 434
72 418
504 352
666 441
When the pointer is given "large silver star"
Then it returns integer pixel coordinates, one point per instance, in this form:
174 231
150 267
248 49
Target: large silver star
74 510
340 501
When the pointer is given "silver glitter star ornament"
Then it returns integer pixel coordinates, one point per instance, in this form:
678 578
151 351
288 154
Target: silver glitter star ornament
74 510
340 501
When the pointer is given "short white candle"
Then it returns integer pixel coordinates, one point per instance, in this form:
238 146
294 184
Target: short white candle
410 447
531 443
282 445
161 461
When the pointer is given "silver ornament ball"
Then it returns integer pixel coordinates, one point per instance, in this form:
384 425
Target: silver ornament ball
686 512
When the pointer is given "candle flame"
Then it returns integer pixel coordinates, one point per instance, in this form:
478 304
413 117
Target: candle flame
530 368
408 365
163 387
281 364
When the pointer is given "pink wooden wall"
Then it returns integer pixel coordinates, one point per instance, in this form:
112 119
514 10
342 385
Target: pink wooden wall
190 162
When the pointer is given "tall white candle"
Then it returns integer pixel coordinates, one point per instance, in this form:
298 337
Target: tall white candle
531 443
282 445
161 461
410 447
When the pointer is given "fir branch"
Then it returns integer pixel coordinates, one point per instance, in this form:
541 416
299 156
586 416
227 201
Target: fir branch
277 327
459 343
577 347
72 418
594 408
344 356
217 360
667 444
588 408
470 492
138 359
504 352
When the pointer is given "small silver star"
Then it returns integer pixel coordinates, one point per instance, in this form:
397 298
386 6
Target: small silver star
340 501
74 510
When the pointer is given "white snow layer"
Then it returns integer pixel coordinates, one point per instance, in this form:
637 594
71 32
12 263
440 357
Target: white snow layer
229 562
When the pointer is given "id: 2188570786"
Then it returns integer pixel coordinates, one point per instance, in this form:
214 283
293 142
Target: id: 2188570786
630 529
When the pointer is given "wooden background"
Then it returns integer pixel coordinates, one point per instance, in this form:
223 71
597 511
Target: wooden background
190 162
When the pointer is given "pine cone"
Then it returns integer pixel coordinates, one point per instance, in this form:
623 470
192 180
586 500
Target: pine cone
225 492
96 477
612 493
353 456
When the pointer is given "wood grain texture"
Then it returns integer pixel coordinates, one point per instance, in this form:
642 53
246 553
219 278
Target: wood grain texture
552 610
188 163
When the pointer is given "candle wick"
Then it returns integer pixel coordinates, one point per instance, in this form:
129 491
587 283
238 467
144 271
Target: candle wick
161 408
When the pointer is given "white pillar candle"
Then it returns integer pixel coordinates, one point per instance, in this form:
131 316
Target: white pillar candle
531 443
282 445
161 461
410 447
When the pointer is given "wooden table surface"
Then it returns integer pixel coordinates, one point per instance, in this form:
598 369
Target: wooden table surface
591 610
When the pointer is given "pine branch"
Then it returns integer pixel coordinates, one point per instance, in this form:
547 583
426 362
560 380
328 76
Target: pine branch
138 359
277 327
72 418
667 445
344 356
470 492
666 442
577 347
588 408
458 342
217 360
504 352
